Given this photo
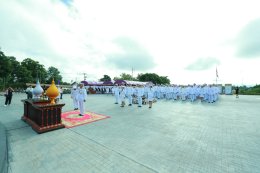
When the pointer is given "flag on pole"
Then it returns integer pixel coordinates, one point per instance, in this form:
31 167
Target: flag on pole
216 72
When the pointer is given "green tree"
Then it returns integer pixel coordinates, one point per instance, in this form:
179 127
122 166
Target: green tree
152 77
17 77
16 74
24 75
165 80
124 76
64 83
5 70
15 69
105 78
255 90
53 73
36 69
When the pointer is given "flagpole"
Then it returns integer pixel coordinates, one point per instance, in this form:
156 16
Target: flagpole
216 76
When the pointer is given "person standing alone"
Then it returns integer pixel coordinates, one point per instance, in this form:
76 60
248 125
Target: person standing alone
61 92
73 95
237 91
81 97
8 96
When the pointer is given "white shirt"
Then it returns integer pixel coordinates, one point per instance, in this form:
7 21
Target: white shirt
81 94
73 93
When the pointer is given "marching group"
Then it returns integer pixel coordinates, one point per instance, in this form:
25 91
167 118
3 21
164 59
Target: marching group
143 94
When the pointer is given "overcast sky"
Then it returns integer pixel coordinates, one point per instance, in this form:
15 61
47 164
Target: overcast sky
185 40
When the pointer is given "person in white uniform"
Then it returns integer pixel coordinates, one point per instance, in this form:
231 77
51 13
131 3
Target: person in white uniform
116 93
122 96
29 92
140 93
183 93
150 96
192 92
210 94
81 97
129 94
73 95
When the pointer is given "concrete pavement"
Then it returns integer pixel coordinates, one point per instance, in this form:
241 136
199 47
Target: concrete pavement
170 137
3 150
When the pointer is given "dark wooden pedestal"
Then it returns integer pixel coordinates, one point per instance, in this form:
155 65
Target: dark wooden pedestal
42 116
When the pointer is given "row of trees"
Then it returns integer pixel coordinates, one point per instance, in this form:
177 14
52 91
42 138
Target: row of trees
151 77
255 90
17 74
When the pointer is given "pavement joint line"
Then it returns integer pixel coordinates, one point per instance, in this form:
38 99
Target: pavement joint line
4 166
17 128
8 147
115 151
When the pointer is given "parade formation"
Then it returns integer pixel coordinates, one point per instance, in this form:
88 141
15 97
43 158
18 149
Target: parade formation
148 94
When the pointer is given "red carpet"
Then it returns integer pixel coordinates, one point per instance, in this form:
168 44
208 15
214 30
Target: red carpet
72 118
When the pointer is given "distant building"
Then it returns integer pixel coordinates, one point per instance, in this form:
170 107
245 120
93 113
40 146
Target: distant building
92 83
228 89
220 87
128 82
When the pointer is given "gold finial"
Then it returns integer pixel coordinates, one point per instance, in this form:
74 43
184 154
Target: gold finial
52 92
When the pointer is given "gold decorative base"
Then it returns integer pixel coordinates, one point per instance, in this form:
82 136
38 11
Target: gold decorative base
52 101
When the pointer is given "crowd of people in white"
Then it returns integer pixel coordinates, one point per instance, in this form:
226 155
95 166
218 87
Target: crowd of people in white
142 94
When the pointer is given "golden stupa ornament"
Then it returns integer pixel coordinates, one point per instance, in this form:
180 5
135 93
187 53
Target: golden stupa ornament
52 92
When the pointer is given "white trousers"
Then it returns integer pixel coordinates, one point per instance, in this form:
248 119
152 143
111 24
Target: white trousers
117 98
130 99
75 103
81 107
139 100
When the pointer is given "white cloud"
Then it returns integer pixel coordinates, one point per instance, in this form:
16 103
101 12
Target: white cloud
77 39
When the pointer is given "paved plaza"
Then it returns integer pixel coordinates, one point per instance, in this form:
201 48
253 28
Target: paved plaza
172 137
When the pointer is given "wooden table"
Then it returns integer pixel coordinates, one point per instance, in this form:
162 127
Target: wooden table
41 115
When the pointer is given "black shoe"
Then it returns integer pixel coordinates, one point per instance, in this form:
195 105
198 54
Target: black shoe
139 106
150 107
121 106
75 109
116 103
130 105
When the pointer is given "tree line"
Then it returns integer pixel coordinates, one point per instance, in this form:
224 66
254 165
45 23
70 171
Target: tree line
147 77
255 90
16 74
